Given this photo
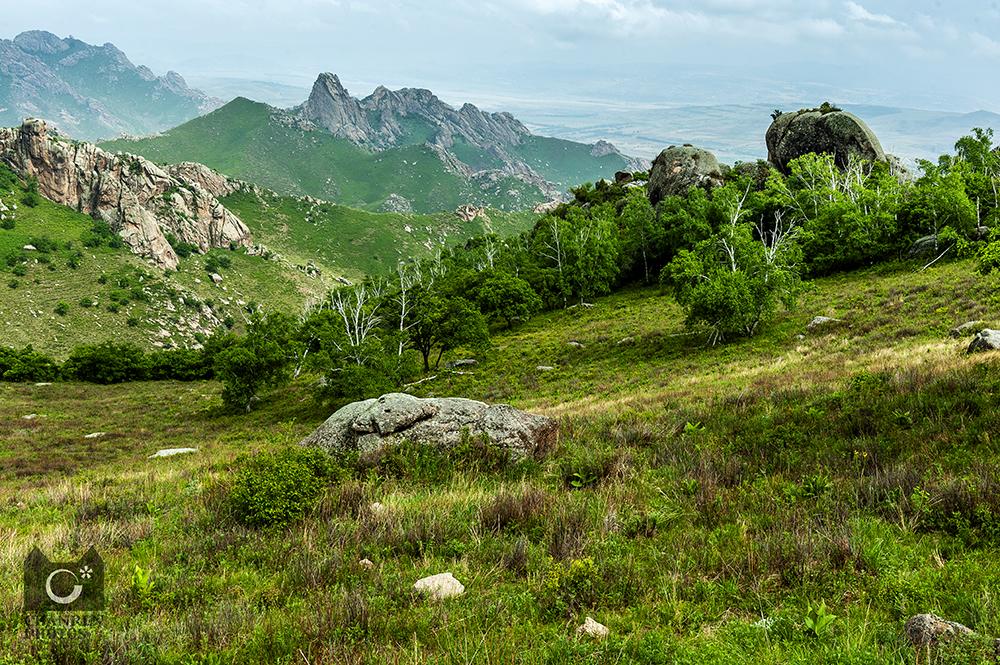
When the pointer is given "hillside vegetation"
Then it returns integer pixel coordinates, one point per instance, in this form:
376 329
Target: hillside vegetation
702 503
102 292
256 143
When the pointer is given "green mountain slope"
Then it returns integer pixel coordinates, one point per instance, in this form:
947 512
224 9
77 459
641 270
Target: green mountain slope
110 294
568 163
257 143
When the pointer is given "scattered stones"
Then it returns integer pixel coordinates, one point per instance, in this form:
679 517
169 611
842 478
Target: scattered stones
822 322
985 340
440 586
95 435
170 452
373 424
964 329
591 628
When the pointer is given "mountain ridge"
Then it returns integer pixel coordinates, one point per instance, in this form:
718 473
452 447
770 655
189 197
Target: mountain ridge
90 92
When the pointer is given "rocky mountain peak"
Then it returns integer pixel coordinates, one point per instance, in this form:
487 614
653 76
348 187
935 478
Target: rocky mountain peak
81 87
40 42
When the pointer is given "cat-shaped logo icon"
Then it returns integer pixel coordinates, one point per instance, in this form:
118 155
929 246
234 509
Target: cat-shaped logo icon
76 586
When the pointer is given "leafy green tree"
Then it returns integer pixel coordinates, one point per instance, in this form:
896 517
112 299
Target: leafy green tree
736 279
641 236
258 361
504 297
938 202
443 323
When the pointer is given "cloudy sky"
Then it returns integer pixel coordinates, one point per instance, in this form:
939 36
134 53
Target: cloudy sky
922 53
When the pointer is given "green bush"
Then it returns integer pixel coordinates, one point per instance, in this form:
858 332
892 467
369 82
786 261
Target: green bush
26 365
178 364
276 488
62 309
107 363
8 224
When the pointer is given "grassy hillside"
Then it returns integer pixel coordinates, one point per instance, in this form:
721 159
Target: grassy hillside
110 294
349 242
700 502
253 142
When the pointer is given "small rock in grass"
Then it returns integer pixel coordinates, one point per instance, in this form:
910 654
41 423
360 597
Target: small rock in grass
575 344
985 340
43 383
927 629
170 452
593 629
377 508
30 416
545 368
626 340
440 586
366 564
94 435
823 322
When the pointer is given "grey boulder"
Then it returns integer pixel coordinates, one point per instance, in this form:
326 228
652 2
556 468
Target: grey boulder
985 340
373 424
679 168
825 130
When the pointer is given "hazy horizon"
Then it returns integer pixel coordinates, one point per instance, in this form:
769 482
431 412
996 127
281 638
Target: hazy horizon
922 54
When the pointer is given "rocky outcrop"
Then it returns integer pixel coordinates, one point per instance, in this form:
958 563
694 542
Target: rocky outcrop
824 130
138 199
89 91
373 424
213 182
679 168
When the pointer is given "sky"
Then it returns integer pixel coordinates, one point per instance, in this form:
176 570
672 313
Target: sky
918 53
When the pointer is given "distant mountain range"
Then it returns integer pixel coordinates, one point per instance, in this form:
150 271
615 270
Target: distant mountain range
89 92
396 151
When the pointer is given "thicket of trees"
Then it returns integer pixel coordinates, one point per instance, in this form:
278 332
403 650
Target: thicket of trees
731 257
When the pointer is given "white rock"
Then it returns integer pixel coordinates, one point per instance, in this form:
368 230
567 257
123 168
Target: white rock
30 416
377 508
29 248
94 435
44 383
575 344
440 586
591 628
216 278
170 452
545 368
366 564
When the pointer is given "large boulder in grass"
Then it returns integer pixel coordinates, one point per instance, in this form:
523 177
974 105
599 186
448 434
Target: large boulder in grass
985 340
826 130
679 168
372 424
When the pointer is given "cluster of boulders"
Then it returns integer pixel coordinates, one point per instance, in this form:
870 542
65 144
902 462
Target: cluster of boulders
826 129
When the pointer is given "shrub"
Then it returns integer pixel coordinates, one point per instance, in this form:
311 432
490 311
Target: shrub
570 587
8 224
178 364
259 361
62 309
107 363
276 488
26 365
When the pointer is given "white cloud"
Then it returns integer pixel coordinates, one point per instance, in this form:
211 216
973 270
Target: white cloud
858 13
